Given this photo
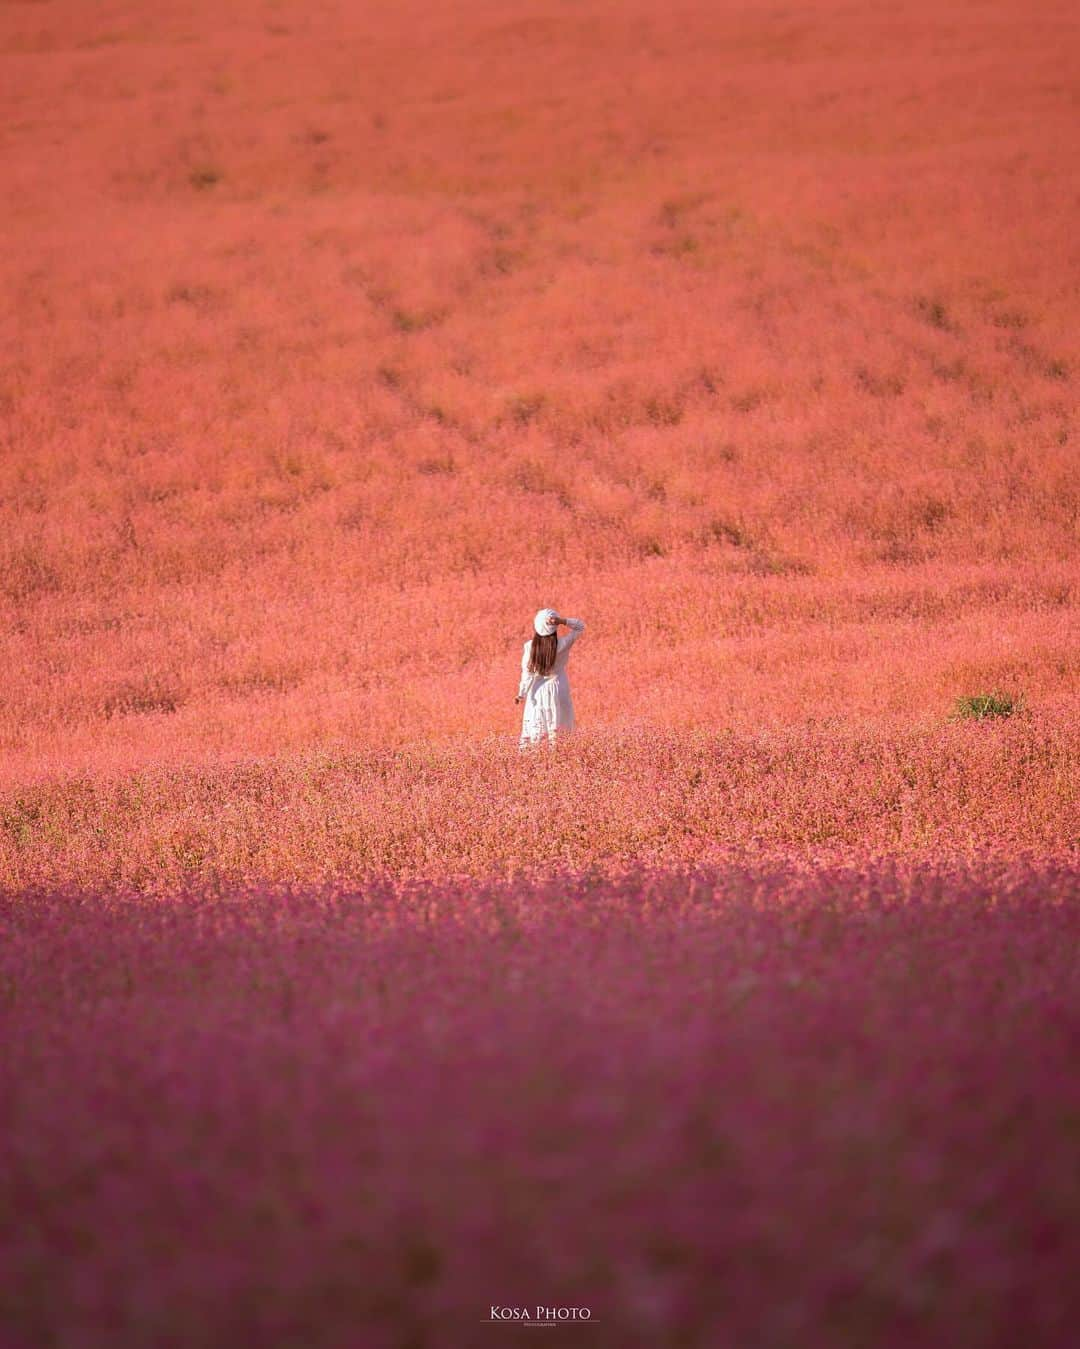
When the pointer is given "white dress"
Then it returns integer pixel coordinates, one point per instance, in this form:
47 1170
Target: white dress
548 705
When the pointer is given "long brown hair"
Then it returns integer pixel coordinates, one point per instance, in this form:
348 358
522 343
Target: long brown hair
542 655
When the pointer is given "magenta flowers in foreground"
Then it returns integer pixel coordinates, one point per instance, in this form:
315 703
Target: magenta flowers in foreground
727 1107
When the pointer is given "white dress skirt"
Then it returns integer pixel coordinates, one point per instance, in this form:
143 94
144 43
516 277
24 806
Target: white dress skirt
549 709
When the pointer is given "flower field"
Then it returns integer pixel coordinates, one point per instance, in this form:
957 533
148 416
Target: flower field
336 340
486 810
740 1106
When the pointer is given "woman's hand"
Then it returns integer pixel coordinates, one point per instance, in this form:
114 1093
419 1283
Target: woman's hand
517 699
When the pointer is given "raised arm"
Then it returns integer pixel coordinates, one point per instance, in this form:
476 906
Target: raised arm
577 627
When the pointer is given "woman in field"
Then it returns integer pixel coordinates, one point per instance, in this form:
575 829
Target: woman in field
545 684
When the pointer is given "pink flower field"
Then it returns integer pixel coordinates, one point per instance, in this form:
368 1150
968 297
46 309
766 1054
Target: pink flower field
736 1106
338 338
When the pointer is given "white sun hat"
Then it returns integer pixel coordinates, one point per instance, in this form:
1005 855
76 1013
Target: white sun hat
544 622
